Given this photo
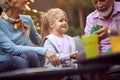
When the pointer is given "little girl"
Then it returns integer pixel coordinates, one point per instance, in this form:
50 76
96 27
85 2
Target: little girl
54 27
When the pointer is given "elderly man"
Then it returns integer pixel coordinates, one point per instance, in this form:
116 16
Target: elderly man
106 14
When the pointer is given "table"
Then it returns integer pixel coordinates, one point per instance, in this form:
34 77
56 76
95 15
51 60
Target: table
108 58
38 74
100 64
95 65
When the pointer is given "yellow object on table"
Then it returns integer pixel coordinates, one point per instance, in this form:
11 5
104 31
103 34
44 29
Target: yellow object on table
115 43
90 44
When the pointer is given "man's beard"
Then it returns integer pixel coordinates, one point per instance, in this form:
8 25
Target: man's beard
107 12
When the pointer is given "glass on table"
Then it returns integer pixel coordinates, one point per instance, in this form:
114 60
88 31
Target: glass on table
115 40
115 43
90 44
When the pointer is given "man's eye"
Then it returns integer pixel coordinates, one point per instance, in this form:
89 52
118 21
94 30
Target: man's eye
102 0
95 1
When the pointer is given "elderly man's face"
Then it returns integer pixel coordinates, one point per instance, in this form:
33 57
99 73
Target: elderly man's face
103 6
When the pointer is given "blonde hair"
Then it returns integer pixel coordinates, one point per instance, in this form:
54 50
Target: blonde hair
49 17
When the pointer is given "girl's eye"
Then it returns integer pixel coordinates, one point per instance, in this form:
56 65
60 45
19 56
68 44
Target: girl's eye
61 20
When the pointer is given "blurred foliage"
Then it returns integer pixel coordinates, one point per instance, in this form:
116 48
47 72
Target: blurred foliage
81 3
72 31
86 3
36 17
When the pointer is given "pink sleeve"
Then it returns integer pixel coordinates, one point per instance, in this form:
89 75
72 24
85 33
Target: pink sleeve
89 24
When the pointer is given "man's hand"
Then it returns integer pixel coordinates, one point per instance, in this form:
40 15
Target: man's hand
102 32
53 58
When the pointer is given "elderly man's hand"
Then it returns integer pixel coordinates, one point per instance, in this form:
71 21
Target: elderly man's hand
53 58
102 32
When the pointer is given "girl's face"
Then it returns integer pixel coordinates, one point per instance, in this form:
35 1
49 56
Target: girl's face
19 5
60 25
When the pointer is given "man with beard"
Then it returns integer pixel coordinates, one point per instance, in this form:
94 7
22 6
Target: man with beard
105 16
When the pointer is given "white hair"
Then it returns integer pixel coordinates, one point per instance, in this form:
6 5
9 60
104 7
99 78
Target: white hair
3 4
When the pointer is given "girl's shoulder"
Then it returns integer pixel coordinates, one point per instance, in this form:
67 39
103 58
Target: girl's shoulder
49 37
67 36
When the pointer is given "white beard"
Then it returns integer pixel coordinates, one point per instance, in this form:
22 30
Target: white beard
107 12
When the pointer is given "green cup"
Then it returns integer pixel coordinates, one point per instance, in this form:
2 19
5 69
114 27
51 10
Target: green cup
90 44
94 28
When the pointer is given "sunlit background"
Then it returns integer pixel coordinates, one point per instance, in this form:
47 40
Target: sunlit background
77 11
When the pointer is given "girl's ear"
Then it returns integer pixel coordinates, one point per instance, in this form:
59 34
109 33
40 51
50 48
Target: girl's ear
51 25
